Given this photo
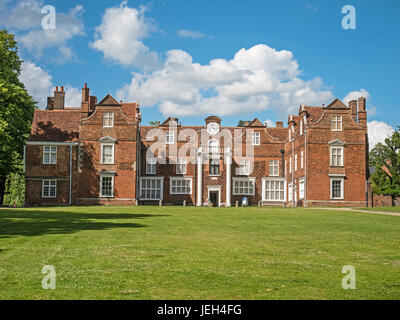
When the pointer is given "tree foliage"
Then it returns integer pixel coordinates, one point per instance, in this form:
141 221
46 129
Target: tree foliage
16 109
386 160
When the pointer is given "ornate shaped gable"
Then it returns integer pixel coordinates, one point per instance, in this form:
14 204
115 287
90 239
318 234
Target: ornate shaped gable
108 101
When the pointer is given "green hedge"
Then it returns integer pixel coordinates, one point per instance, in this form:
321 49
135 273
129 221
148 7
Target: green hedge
15 190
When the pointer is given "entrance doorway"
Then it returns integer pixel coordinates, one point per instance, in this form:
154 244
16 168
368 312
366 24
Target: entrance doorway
214 198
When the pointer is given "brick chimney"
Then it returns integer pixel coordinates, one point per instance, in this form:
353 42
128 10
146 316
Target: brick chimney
59 99
362 111
85 101
279 124
353 107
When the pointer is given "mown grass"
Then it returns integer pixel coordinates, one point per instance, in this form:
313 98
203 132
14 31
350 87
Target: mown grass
197 253
382 209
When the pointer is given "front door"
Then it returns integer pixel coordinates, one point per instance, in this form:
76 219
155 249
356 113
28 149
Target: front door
214 198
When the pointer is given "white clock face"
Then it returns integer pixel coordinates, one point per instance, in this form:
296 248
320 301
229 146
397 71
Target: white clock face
213 128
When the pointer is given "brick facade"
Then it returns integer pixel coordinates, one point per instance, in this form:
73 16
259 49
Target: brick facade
105 156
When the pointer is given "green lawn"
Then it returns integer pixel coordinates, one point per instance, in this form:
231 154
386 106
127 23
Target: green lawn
382 209
198 253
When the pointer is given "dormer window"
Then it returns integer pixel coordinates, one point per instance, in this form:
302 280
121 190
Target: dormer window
108 119
169 137
336 124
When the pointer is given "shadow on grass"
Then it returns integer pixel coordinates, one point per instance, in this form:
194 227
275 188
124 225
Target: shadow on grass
36 223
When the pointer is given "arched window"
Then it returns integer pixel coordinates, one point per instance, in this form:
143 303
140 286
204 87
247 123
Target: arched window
213 145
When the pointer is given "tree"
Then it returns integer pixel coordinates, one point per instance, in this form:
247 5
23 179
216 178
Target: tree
154 123
386 160
16 110
240 123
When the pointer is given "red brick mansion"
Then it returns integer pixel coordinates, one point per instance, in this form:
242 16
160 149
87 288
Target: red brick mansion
101 154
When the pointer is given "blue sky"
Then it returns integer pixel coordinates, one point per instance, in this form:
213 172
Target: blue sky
294 51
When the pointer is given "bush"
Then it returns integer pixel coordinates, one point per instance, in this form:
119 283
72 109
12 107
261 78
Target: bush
15 190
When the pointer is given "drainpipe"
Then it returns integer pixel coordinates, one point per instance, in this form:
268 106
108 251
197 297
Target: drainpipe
70 174
305 167
292 168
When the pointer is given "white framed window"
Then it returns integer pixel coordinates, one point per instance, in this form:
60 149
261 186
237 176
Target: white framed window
49 188
49 155
295 162
181 166
273 168
151 165
106 185
301 126
273 189
244 167
336 156
337 188
107 153
290 190
108 119
180 186
302 159
213 146
337 124
214 167
244 186
290 165
151 188
169 137
301 188
256 138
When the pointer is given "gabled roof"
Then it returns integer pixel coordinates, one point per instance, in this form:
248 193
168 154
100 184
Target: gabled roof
255 123
337 104
108 101
170 121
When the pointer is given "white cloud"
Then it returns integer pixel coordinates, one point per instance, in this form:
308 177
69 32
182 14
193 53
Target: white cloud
269 123
120 35
191 34
256 79
362 93
378 131
38 83
25 19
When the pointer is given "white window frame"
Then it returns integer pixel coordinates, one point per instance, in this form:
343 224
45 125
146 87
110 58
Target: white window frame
301 126
290 192
161 179
256 138
248 180
173 179
50 150
50 181
108 119
331 156
341 179
106 175
301 188
213 146
151 163
302 159
102 153
274 164
337 123
181 166
290 164
264 189
169 137
246 164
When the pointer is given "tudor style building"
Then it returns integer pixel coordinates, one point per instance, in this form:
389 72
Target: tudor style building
101 154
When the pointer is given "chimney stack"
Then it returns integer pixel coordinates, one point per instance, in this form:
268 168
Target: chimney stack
59 99
353 107
362 111
85 105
